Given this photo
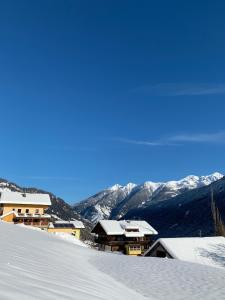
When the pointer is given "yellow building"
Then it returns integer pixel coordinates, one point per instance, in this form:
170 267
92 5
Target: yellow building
25 208
133 250
70 227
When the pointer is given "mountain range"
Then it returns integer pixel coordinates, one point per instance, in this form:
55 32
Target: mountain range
116 202
187 214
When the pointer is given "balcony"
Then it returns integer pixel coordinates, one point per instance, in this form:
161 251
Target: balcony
30 221
144 244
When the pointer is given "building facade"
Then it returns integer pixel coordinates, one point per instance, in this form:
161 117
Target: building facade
128 237
71 227
25 208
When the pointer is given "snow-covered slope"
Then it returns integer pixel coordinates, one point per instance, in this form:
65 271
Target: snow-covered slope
165 279
117 200
37 265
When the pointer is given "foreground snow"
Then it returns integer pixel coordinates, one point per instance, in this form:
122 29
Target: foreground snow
37 265
164 279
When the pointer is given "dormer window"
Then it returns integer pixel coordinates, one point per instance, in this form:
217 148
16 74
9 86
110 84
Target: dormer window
131 229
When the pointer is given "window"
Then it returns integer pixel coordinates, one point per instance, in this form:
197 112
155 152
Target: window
131 229
27 211
19 210
134 248
36 211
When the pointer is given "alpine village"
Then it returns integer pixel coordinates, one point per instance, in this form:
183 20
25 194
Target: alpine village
134 237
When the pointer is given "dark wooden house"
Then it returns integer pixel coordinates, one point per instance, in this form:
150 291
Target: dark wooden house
129 237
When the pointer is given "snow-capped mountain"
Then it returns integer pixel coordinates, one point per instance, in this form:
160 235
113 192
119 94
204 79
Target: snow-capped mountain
114 202
187 214
100 205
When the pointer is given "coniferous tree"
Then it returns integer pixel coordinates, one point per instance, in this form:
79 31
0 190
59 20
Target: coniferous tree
218 222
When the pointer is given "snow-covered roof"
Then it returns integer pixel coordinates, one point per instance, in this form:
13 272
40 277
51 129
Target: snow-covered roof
9 197
74 224
203 250
113 227
78 224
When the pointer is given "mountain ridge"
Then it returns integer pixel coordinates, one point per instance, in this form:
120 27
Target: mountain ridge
187 214
115 201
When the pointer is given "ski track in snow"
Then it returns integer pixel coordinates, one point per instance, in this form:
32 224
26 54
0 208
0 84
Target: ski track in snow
37 265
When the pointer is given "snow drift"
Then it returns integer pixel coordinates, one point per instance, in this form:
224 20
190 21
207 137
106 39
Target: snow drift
37 265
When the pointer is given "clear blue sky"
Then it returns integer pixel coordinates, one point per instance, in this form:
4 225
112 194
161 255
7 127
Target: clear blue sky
95 93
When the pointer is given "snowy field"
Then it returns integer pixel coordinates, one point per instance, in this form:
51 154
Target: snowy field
38 265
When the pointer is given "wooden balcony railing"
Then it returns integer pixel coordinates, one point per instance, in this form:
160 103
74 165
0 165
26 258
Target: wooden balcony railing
32 222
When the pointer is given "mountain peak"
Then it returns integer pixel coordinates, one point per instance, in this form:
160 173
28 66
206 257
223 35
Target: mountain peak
216 175
130 186
115 187
151 185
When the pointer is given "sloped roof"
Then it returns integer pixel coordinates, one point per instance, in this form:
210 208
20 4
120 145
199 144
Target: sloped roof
203 250
67 224
8 197
113 227
78 224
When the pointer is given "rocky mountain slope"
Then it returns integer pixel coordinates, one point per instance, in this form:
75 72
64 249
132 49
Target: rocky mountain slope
115 202
188 214
101 205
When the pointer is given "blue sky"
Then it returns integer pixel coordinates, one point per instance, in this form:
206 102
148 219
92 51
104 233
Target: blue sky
94 93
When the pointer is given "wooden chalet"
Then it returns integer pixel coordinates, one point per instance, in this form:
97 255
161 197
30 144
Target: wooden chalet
129 237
